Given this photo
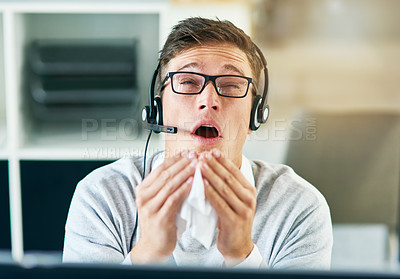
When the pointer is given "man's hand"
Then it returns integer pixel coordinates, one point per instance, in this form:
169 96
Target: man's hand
234 201
159 198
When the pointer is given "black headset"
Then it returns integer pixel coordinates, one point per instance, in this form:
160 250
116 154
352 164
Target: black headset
152 115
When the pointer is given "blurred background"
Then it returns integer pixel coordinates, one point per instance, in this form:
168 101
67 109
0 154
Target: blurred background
334 70
74 76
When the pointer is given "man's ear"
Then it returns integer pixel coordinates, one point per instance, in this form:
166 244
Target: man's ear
249 131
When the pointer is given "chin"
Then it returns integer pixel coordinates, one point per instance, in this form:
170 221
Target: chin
202 148
205 147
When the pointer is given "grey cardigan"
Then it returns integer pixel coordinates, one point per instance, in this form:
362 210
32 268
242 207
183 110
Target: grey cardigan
292 225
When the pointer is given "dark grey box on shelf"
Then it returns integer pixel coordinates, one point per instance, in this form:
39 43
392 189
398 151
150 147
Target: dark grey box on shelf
69 80
83 57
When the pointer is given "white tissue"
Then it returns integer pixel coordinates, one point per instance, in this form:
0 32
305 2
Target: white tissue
197 215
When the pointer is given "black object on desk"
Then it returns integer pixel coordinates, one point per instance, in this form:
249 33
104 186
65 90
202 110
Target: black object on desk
47 188
104 271
5 231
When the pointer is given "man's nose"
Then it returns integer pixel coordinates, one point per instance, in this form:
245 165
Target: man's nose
208 98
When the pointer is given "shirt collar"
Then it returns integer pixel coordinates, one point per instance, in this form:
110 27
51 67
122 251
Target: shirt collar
245 168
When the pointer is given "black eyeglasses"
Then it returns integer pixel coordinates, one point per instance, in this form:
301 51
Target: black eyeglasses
190 83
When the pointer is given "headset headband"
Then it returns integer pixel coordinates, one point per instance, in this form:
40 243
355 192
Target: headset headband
266 79
152 87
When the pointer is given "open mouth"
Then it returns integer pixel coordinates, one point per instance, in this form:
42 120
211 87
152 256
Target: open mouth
207 131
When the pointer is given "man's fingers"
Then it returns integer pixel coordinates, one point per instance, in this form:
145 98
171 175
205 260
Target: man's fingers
147 182
154 183
228 181
174 202
171 186
222 208
221 186
232 168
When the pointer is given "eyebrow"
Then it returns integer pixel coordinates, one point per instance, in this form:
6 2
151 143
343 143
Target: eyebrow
228 67
190 65
232 68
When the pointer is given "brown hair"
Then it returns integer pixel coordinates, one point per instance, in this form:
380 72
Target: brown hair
195 31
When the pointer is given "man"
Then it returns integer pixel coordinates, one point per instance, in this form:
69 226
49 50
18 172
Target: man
267 215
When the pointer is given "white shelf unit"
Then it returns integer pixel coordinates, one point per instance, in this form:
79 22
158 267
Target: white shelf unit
21 138
84 25
3 138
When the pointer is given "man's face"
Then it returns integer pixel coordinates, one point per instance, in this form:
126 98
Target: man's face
207 120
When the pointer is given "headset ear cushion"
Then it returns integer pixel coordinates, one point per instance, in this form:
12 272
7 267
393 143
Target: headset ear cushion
254 123
146 114
159 111
262 114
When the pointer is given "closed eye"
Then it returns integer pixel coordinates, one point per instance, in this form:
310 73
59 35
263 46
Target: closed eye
188 82
234 86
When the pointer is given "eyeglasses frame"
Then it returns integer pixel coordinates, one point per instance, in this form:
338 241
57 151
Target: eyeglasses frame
208 78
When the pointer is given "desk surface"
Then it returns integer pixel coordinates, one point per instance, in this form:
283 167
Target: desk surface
5 257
